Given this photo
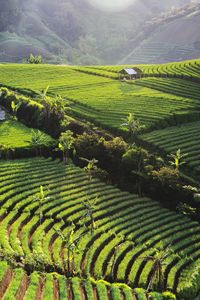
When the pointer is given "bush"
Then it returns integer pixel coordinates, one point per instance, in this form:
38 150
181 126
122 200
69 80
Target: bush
90 146
155 296
29 111
167 176
168 296
115 148
47 115
135 158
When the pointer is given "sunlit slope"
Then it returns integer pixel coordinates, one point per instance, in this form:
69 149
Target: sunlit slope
37 77
14 134
188 68
185 137
155 101
24 232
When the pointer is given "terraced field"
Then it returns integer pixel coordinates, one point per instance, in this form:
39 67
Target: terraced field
26 235
16 284
188 69
186 137
59 77
16 135
155 101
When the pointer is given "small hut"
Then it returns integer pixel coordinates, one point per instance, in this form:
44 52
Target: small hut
130 74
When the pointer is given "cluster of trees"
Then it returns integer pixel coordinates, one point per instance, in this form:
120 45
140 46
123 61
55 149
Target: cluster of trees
35 59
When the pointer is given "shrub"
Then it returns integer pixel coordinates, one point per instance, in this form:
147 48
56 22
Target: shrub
168 296
135 158
167 176
47 115
29 111
116 147
90 146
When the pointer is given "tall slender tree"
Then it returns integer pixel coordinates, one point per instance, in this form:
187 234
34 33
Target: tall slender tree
66 143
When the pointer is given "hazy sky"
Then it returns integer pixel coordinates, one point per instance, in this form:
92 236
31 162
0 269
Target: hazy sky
111 5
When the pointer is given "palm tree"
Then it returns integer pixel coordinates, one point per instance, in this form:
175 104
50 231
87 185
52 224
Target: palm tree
38 140
66 143
177 159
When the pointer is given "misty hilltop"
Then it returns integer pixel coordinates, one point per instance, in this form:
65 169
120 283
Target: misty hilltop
78 32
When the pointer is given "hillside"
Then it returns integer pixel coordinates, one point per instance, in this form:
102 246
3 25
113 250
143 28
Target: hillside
171 37
59 32
73 231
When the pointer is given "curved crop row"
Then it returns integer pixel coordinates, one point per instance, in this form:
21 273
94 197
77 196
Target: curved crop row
117 247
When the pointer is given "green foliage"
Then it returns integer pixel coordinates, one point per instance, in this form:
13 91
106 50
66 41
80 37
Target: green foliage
22 108
66 143
185 136
14 135
132 124
136 159
177 159
167 176
39 140
35 59
15 108
168 296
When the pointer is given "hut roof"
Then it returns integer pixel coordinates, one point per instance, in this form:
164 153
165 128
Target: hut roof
133 71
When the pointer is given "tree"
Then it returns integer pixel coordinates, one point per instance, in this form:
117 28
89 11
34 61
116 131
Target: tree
70 242
37 59
66 143
132 124
177 159
135 159
38 140
156 274
53 112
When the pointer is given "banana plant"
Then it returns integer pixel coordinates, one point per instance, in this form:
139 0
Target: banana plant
132 124
38 140
177 159
15 108
156 274
91 166
41 198
71 243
